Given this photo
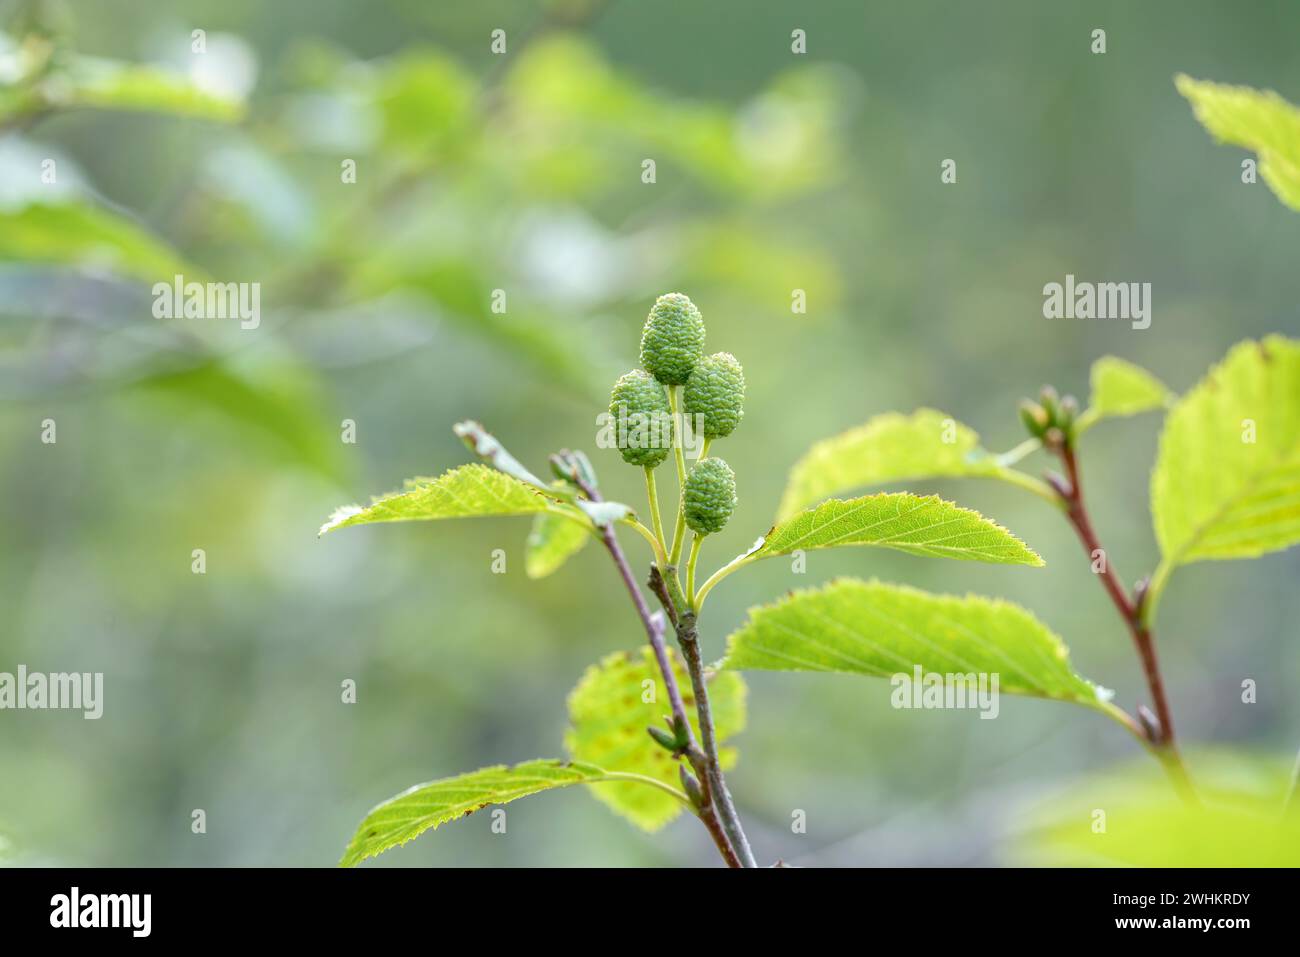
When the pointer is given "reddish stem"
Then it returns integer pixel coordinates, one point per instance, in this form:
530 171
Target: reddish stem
1130 609
654 628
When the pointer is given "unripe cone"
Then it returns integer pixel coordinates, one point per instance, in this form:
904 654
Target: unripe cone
710 496
643 422
716 391
673 339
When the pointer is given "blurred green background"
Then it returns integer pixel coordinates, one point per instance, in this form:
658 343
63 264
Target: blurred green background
522 172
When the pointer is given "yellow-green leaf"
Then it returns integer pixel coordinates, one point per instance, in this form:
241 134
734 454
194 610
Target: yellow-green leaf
459 493
1227 477
877 629
553 540
887 448
77 234
1238 822
1258 120
609 713
111 85
920 525
1120 388
50 79
1172 833
425 806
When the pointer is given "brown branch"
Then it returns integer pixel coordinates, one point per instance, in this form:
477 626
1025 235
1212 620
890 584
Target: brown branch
1160 731
668 590
707 809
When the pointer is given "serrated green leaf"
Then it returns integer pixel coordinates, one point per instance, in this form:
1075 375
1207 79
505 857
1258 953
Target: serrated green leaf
1258 120
425 806
485 445
553 540
1120 388
1227 477
920 525
78 234
609 714
459 493
887 448
877 629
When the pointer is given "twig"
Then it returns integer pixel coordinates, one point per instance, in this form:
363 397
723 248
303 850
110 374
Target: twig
669 591
1160 732
654 628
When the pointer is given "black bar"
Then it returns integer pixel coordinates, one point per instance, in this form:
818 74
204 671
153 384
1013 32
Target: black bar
370 905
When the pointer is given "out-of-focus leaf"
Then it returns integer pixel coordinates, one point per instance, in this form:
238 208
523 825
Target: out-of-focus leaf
567 93
1120 388
274 401
877 629
609 713
1258 120
466 301
762 265
109 85
887 448
49 79
82 235
563 83
1238 823
552 541
1172 833
425 806
425 102
1227 477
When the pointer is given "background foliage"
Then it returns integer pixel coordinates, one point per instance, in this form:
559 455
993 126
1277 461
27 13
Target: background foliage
521 172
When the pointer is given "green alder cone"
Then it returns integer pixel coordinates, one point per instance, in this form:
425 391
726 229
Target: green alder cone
716 390
643 423
710 496
673 339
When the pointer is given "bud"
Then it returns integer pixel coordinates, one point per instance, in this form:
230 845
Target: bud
1034 418
642 420
573 467
1048 399
673 339
691 786
716 391
1149 724
665 740
710 496
1066 413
